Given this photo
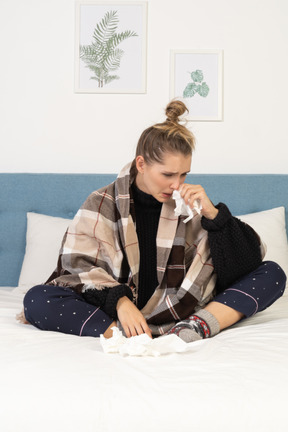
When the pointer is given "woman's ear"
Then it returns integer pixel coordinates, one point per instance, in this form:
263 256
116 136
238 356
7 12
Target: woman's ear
140 163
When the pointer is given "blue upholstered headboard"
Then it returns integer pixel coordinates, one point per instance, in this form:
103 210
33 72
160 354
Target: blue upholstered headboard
62 194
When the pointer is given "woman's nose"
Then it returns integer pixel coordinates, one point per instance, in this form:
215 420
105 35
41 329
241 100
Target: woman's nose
175 185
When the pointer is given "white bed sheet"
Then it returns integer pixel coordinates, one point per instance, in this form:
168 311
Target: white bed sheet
233 382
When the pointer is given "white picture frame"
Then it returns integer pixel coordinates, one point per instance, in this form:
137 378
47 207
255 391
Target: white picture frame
113 64
196 78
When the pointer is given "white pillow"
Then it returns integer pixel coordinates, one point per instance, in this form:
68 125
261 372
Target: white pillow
43 241
271 226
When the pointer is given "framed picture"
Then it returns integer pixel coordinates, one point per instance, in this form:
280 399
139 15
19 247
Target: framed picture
110 47
197 79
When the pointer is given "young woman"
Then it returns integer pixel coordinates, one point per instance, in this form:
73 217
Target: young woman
127 260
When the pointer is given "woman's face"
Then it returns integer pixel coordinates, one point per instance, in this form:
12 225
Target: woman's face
161 179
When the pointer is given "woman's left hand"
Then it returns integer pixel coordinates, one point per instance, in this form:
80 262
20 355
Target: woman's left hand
190 193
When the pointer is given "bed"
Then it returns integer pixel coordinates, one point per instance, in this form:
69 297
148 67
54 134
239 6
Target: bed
235 381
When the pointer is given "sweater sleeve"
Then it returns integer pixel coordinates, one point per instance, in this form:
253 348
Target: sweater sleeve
235 247
107 298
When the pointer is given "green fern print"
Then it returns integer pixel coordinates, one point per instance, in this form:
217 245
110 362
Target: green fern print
103 55
196 86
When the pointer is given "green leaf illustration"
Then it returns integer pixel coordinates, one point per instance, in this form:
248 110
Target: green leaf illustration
106 28
203 89
197 76
103 56
190 90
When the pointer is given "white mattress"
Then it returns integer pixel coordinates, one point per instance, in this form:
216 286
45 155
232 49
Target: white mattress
236 381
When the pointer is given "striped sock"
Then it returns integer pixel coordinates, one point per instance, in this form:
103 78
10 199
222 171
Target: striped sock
196 327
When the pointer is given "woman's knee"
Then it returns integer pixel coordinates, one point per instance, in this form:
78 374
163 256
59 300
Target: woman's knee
61 309
274 282
32 303
42 299
275 274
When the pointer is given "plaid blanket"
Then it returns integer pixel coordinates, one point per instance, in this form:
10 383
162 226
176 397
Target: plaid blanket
100 249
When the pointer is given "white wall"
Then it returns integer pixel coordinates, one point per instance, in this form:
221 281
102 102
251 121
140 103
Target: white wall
46 127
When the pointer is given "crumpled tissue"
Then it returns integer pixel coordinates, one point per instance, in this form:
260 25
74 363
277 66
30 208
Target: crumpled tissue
142 345
183 209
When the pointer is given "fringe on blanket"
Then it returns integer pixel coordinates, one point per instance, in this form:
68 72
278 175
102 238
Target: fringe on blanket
21 318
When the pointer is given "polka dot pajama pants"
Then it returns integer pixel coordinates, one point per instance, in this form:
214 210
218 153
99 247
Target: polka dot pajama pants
60 309
55 308
256 291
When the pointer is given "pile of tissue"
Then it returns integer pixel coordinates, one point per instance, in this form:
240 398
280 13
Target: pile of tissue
142 345
183 209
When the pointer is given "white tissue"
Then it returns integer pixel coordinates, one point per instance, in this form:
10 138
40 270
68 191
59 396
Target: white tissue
183 209
141 345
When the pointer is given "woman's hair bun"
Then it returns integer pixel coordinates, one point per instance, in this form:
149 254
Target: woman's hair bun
174 110
168 137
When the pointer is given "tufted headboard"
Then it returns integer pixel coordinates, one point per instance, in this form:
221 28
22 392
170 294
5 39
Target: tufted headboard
62 194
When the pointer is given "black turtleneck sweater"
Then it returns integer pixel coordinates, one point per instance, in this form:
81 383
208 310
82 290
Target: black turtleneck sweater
147 212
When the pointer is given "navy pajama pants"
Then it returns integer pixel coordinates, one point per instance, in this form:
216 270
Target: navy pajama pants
55 308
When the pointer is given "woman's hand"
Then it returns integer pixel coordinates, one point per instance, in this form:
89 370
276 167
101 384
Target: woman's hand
132 320
190 193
